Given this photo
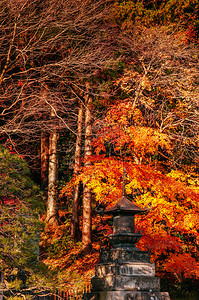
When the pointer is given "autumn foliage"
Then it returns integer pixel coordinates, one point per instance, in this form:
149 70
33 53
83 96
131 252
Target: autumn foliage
150 131
170 228
115 85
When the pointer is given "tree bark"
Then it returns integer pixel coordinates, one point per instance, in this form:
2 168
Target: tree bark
86 230
75 231
2 285
44 160
51 216
44 144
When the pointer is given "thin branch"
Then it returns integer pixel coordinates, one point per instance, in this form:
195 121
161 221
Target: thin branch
8 55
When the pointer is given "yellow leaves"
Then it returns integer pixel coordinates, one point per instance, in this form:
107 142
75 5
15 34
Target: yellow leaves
137 117
191 222
190 181
173 206
191 178
177 175
172 222
171 225
132 185
123 113
147 140
124 128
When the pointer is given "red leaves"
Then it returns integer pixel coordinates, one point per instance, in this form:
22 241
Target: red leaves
10 202
171 225
124 129
158 243
182 264
173 204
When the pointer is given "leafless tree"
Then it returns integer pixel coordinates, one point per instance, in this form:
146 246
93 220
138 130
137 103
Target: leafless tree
161 80
51 46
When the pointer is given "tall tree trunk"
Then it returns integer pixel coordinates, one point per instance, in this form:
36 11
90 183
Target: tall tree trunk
51 216
86 230
75 218
44 160
44 144
2 283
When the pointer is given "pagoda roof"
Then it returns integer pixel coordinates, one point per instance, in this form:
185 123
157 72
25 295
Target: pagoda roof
124 206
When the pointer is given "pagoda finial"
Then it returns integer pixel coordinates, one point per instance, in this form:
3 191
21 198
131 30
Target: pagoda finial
123 187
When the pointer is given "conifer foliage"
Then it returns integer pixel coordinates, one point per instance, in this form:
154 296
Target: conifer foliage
20 204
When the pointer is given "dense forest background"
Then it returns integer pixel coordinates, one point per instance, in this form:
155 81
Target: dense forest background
88 89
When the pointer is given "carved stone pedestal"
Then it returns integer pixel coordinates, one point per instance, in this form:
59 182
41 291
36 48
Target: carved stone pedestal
127 295
125 274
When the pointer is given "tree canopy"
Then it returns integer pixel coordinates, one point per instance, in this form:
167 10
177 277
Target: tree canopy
88 89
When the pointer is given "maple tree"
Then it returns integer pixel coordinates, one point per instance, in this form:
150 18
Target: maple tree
171 226
145 133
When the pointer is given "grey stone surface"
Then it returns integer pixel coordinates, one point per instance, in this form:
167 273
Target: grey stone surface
122 254
125 269
119 282
123 224
127 295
